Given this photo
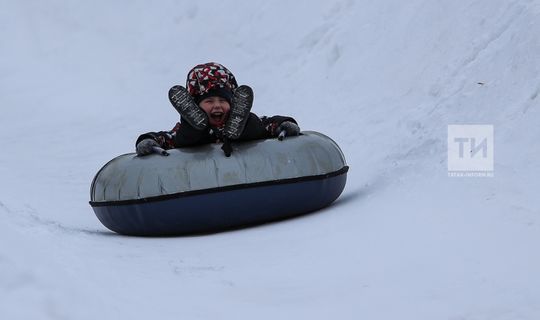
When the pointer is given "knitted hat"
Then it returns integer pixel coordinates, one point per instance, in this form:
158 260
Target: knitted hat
209 80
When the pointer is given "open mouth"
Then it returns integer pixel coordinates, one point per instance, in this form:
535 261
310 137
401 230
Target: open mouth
217 116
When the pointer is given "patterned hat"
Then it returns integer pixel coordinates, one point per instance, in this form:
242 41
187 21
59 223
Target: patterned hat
209 80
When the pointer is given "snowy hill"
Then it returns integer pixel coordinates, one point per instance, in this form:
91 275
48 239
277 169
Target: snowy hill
79 82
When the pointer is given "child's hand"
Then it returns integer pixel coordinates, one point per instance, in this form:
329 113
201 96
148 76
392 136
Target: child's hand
146 146
287 129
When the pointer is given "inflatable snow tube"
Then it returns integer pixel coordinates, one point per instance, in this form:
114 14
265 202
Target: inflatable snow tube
199 190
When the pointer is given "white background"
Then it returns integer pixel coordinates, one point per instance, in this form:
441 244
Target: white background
79 81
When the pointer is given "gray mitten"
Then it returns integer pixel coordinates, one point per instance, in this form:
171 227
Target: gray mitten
287 129
146 146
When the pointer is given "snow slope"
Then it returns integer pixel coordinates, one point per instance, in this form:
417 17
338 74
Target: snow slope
80 80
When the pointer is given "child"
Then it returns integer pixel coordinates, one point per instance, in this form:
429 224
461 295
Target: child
213 108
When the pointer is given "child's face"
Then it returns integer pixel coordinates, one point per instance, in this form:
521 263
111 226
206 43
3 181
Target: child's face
217 109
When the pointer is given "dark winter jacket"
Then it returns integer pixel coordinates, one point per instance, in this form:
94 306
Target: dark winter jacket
183 135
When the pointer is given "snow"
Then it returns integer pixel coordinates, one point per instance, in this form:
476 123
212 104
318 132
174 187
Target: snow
80 80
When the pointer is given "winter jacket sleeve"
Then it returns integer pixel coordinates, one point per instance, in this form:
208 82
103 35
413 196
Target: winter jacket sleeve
272 123
184 135
164 138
